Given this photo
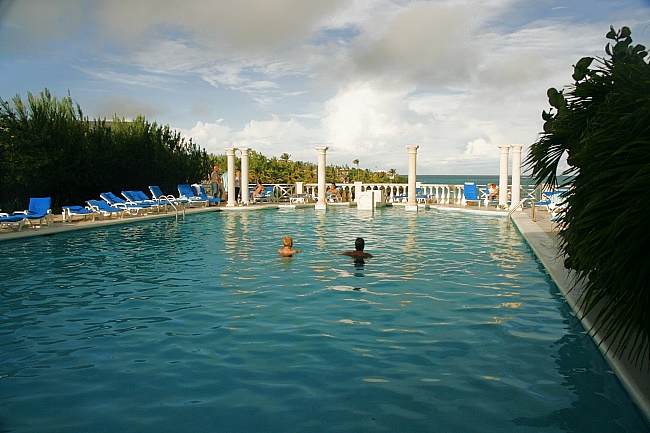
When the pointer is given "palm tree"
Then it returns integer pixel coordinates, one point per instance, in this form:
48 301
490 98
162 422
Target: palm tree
285 157
601 125
356 162
392 173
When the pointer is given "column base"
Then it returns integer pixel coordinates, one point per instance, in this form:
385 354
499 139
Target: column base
321 206
411 208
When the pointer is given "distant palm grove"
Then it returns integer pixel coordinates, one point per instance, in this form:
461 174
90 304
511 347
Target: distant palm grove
48 148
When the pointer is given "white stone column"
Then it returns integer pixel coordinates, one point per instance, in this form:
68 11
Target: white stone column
516 175
503 176
412 204
230 154
299 188
322 203
245 193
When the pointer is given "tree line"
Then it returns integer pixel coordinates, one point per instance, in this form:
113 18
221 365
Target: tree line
48 148
283 170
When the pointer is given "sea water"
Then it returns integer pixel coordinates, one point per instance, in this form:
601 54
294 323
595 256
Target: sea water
198 325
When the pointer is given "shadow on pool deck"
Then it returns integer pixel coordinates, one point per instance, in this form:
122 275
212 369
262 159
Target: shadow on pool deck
541 234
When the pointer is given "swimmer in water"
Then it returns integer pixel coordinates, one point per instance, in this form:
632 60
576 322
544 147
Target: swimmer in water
287 250
358 254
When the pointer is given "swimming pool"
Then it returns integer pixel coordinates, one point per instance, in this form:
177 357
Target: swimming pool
198 325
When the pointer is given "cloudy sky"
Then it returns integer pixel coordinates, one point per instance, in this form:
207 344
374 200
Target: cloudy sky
364 77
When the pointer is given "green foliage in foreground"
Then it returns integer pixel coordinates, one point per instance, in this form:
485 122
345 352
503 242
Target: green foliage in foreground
48 148
602 124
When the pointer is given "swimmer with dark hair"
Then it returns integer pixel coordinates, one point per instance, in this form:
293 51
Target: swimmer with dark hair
358 253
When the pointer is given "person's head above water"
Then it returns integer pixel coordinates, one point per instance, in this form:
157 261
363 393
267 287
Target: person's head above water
287 250
358 253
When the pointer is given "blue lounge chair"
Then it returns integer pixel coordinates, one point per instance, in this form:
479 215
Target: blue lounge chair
470 194
199 191
334 197
102 208
71 211
39 209
132 208
267 196
166 199
302 198
138 197
555 203
485 195
12 221
399 197
419 197
185 191
551 200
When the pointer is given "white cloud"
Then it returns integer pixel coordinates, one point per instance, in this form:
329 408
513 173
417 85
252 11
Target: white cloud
366 77
361 117
214 137
479 147
426 43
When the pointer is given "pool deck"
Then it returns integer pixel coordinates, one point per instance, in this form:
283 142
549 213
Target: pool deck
540 233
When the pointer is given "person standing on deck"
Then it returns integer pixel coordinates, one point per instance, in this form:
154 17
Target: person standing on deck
224 184
215 180
237 185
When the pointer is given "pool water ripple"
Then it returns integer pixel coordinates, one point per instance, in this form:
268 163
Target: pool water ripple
198 325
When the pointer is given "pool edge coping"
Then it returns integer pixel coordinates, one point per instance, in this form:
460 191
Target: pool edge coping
634 379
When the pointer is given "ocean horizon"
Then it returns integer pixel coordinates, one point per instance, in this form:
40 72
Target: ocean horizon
459 179
479 179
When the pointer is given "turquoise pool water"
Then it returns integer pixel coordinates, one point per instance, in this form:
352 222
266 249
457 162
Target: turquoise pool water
199 326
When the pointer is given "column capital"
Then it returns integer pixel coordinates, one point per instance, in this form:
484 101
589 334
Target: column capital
412 148
322 149
243 150
516 147
504 148
230 150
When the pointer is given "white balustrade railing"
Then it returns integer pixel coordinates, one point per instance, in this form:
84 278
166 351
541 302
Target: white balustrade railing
434 193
